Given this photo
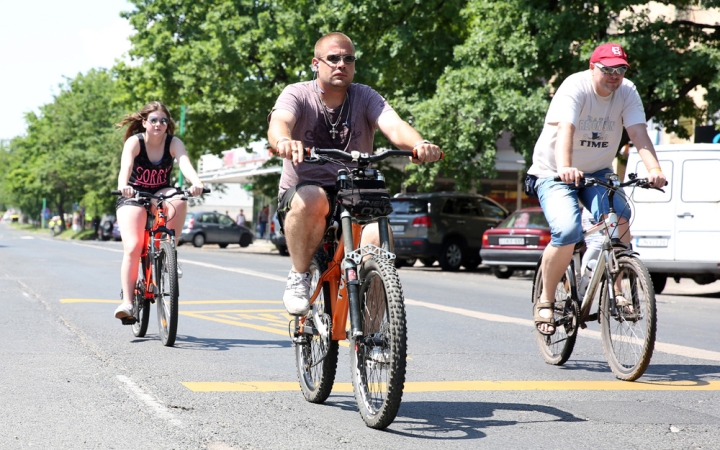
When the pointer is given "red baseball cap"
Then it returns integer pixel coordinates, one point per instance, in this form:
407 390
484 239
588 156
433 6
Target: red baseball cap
609 55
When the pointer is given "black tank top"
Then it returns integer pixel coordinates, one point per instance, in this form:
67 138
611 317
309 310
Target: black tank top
148 176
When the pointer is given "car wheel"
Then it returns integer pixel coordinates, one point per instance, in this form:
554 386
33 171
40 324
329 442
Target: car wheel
402 262
198 240
223 245
472 264
451 256
427 262
659 281
502 272
283 250
245 240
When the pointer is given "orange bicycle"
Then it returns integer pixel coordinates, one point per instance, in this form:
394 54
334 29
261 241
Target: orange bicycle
359 281
157 280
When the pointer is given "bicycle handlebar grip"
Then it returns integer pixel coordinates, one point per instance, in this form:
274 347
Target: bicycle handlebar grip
206 190
415 154
115 192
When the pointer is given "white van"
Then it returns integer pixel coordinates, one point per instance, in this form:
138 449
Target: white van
677 233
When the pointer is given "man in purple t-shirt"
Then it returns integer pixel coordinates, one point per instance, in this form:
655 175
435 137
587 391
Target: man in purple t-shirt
327 112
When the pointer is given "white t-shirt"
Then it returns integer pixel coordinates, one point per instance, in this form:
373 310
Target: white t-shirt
598 124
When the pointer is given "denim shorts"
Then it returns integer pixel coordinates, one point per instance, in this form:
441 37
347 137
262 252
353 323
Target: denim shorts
560 203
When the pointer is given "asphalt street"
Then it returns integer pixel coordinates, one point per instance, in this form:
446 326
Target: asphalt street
73 377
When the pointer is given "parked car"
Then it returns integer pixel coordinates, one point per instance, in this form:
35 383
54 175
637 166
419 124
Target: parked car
105 230
516 243
442 226
209 227
277 237
116 232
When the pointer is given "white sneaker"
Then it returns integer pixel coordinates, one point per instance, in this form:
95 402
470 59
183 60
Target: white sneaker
297 293
124 311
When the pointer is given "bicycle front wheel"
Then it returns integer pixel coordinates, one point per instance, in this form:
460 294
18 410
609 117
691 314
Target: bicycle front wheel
557 348
167 294
628 332
316 354
378 357
141 305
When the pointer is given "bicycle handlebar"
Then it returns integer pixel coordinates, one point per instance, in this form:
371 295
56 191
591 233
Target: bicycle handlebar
140 194
640 182
312 155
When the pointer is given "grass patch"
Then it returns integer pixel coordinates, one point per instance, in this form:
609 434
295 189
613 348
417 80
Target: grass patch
83 235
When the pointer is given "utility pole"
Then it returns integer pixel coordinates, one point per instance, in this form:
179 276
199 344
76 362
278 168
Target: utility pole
181 132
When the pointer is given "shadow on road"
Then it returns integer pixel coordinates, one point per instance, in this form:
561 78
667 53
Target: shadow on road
469 420
681 372
212 344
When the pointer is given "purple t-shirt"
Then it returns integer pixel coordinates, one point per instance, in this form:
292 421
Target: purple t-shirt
355 127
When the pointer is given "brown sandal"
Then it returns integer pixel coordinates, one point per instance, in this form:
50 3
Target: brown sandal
539 320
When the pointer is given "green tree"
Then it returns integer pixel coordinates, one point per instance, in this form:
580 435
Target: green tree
517 53
228 60
463 72
71 151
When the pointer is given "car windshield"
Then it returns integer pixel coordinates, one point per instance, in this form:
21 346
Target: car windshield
409 206
525 219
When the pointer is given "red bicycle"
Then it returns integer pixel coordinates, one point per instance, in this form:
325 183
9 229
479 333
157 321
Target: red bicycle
157 280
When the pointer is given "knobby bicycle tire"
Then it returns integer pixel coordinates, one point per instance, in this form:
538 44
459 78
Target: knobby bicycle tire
557 348
316 358
378 358
141 305
628 333
166 297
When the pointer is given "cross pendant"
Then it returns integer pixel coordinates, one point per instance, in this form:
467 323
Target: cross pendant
333 132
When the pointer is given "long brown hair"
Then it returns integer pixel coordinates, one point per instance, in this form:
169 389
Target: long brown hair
135 119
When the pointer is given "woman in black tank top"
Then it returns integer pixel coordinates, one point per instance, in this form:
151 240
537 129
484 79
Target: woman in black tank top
146 164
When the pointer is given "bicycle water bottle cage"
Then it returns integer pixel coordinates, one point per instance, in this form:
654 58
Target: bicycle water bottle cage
366 250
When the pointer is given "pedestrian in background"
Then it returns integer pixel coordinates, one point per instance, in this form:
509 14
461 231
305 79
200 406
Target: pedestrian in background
241 218
263 220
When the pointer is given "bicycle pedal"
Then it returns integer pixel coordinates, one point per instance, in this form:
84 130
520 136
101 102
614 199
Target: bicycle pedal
128 321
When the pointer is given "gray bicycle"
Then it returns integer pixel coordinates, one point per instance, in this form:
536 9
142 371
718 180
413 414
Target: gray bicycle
622 286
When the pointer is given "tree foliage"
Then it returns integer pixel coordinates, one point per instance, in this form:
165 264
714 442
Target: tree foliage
71 152
462 72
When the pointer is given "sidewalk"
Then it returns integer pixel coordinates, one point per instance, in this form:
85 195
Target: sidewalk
260 246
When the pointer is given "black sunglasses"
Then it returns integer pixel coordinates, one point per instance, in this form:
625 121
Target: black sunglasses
155 120
348 59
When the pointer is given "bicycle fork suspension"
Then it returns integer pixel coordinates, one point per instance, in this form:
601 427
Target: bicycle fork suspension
351 277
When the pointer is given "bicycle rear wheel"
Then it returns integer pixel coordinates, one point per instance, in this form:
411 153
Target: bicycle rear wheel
316 356
378 358
556 349
167 294
628 333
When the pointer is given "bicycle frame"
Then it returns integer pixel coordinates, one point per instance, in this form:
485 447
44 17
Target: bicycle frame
155 225
341 298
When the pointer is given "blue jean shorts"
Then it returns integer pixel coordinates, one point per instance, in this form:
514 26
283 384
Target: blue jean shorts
561 204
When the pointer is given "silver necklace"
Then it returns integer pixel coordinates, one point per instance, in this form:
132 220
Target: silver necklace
329 123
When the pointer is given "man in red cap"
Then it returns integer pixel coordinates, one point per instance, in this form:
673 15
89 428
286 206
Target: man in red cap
580 137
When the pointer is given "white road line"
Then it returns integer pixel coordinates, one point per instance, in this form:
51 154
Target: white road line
158 408
679 350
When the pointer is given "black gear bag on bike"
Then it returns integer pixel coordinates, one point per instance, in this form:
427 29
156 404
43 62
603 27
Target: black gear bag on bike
529 187
365 198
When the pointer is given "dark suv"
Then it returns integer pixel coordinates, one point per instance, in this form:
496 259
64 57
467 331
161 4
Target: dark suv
442 226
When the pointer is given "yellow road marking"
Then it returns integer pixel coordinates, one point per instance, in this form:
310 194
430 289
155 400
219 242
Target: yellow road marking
447 386
182 302
281 330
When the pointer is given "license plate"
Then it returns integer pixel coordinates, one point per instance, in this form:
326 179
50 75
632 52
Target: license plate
511 241
399 228
652 242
